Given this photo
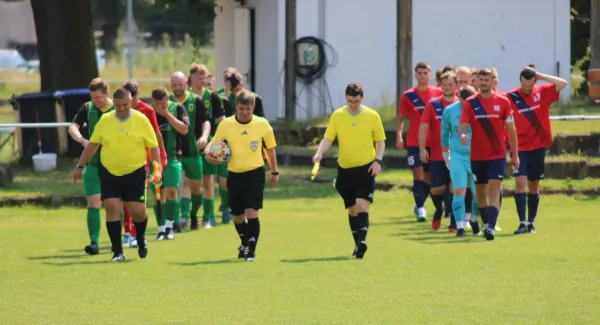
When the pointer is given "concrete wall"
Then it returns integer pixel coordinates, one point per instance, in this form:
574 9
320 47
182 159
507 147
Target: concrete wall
16 23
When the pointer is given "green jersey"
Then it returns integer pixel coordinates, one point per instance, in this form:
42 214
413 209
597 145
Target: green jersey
172 139
221 91
214 108
196 111
90 114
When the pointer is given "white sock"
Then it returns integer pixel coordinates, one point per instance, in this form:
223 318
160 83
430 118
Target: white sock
460 225
169 224
467 216
161 229
421 210
485 226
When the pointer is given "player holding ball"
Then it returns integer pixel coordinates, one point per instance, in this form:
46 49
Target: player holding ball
245 134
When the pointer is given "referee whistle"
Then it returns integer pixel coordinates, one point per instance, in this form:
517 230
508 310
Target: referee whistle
315 171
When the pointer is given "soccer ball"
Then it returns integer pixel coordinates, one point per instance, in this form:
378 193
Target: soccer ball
220 151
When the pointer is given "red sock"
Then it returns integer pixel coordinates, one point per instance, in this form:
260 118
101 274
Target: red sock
127 223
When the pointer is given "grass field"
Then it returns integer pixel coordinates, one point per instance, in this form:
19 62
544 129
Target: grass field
303 273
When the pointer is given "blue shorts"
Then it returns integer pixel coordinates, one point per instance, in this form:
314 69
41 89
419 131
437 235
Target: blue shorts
414 158
531 164
439 174
460 171
488 169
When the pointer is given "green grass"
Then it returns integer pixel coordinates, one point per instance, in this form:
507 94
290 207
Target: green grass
303 274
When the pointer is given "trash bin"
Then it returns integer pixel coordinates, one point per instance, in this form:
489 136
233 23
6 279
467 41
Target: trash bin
28 106
70 102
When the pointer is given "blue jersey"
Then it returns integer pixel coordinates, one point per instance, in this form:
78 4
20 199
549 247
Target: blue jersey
450 136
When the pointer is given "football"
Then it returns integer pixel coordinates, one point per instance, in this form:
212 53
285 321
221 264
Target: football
220 151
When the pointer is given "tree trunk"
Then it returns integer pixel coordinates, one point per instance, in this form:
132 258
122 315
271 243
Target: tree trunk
595 35
66 45
404 70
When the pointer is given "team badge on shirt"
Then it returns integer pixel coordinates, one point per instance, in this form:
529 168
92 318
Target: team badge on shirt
192 107
254 145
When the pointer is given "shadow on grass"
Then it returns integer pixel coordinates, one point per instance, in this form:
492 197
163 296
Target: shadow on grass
319 259
107 261
50 257
77 250
223 261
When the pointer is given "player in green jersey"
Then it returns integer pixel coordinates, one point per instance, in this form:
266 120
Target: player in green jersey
173 123
88 115
235 83
216 113
226 75
195 140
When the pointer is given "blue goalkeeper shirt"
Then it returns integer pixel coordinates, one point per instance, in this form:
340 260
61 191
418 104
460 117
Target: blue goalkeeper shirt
450 135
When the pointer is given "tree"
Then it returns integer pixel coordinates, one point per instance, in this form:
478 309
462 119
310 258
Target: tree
595 35
66 46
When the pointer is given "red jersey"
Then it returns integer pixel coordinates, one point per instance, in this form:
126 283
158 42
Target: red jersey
487 118
532 116
151 115
434 111
412 104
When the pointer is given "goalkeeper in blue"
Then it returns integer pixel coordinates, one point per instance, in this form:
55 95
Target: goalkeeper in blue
458 160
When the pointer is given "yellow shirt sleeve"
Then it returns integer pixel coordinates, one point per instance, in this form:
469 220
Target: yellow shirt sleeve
98 132
269 137
379 132
147 132
331 131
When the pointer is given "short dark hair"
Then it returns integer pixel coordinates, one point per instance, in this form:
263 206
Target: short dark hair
528 73
355 89
132 86
422 65
438 74
99 84
450 74
121 93
486 72
245 97
159 93
466 91
448 68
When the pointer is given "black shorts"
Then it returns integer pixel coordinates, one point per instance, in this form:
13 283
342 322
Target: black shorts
355 183
414 158
531 164
129 187
246 190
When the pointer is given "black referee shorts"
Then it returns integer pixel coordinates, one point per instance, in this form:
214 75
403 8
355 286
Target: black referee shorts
246 190
129 187
355 183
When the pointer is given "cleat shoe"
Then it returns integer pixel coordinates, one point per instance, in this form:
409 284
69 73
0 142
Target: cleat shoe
437 220
460 233
176 228
133 242
195 226
475 227
531 228
521 230
126 239
169 234
183 223
226 218
212 221
92 249
468 225
161 236
452 230
489 234
118 258
241 252
143 248
361 249
250 257
421 216
206 225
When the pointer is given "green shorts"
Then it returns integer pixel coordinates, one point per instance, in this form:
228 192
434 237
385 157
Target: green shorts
172 174
222 170
208 168
192 166
91 180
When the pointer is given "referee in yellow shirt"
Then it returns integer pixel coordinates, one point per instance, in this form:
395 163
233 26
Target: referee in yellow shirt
122 136
356 128
247 135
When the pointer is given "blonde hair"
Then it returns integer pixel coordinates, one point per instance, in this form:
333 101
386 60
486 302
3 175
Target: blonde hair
199 68
463 69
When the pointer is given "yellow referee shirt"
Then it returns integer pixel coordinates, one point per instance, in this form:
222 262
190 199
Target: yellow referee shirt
246 141
356 135
124 142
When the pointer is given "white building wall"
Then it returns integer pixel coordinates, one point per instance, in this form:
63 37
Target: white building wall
493 36
16 23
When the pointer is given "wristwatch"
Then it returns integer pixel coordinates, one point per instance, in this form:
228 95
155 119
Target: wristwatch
79 166
379 161
275 173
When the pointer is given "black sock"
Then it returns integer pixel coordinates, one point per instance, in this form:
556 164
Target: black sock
140 228
448 201
437 202
253 233
483 211
426 191
354 227
114 233
468 202
241 229
363 224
